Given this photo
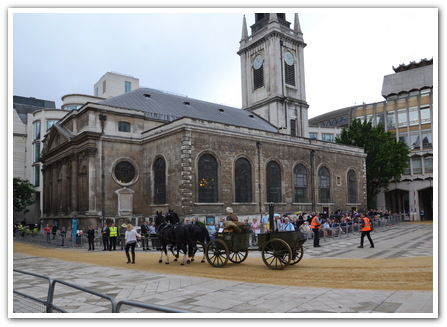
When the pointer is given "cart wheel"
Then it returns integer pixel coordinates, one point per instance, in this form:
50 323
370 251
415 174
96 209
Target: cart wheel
239 256
276 254
216 253
297 255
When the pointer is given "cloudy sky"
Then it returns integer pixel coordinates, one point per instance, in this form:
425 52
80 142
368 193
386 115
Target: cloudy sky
193 52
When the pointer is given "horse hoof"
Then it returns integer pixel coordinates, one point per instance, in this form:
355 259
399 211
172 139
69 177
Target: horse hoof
175 259
167 263
160 261
192 260
202 261
188 261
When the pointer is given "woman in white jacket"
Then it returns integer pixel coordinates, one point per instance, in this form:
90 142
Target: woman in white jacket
131 240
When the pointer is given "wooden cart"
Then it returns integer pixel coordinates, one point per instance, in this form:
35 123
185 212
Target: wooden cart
278 249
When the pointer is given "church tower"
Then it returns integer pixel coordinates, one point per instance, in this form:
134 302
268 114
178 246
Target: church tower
272 68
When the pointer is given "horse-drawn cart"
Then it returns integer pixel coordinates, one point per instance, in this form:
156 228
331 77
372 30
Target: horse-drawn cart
278 249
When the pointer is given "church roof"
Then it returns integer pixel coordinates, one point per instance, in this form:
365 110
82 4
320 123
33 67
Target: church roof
168 107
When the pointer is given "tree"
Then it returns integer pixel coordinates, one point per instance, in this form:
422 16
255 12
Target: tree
386 158
23 193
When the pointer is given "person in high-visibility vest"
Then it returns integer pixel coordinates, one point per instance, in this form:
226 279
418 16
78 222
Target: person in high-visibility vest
365 224
113 235
315 226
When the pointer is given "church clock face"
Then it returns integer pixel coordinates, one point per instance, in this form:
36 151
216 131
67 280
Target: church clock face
257 63
288 58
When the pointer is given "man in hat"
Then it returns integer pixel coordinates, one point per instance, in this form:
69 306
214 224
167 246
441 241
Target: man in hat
231 216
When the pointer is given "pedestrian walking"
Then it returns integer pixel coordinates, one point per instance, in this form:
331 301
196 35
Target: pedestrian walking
131 240
91 238
365 224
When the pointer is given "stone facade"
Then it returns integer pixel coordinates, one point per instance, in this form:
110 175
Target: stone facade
73 171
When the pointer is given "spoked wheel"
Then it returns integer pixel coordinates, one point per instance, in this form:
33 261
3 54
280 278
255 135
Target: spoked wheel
297 255
217 253
239 256
276 254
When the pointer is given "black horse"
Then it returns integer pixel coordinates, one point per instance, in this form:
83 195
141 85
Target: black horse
199 236
171 232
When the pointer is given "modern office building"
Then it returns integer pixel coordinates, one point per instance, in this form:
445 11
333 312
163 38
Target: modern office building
407 112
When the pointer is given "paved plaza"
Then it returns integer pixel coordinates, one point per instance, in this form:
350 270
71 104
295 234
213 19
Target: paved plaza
205 297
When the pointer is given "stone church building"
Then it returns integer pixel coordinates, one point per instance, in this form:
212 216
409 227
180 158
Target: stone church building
128 156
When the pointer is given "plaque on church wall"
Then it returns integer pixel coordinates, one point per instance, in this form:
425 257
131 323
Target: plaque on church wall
125 201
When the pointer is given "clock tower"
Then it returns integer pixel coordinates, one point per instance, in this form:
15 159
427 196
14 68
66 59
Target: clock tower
272 68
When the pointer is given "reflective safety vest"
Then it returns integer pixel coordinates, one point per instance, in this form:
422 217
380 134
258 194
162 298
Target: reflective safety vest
366 225
314 224
113 231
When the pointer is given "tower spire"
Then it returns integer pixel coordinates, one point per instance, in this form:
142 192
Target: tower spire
244 36
296 25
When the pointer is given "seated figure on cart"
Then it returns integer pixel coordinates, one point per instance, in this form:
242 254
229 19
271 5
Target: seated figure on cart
231 216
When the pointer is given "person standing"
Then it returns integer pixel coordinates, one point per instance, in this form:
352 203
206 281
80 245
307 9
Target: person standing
145 234
122 233
315 225
91 238
287 226
131 240
47 231
105 237
63 233
153 235
113 235
365 224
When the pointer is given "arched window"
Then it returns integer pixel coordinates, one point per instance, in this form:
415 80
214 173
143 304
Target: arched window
300 183
273 182
160 181
324 185
352 187
208 179
242 181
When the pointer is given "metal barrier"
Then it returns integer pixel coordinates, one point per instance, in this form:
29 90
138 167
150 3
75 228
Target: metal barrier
50 307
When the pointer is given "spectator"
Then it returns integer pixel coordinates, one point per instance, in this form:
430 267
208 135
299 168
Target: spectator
287 226
105 237
154 236
256 229
145 235
63 233
47 231
121 234
305 230
54 231
91 238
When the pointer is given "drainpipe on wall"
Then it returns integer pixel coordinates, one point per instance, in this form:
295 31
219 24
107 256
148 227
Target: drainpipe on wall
102 119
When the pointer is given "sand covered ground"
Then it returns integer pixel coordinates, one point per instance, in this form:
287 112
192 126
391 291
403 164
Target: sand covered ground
414 273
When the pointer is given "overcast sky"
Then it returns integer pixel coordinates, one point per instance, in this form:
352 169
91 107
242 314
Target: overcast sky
193 52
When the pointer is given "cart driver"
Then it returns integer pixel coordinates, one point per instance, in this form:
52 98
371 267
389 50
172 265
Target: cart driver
231 216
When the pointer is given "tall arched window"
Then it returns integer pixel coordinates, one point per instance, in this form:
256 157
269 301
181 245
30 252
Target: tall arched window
352 187
273 182
208 179
160 181
242 181
300 183
324 185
